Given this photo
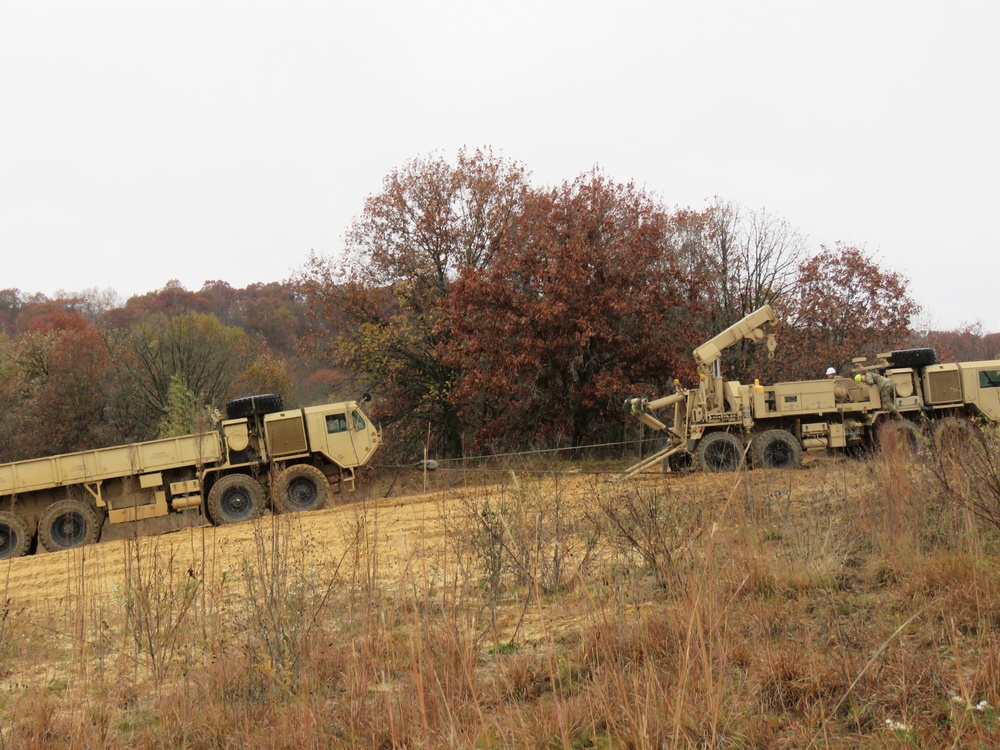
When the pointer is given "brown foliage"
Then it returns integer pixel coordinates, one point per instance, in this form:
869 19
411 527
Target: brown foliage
842 305
574 310
432 223
55 399
966 344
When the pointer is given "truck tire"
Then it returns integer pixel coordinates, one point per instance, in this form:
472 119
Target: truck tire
254 406
235 498
901 432
15 541
952 431
301 487
912 357
776 449
719 451
67 524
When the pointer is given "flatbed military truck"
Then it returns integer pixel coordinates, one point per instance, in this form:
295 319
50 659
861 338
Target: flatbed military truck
717 424
260 454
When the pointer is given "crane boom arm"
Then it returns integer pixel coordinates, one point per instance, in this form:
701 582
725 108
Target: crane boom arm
751 328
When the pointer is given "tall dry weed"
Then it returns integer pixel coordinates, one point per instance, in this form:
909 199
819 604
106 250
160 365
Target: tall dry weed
966 467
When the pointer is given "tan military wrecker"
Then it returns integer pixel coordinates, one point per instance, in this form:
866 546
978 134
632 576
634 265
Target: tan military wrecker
714 424
259 454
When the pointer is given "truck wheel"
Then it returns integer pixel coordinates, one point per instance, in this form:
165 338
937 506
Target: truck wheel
15 541
67 524
254 406
235 498
301 487
912 357
901 432
776 449
719 451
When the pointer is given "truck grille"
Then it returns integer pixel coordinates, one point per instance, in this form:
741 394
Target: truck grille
944 387
286 436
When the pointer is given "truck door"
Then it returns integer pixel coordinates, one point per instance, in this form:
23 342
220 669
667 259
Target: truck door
339 445
989 392
350 438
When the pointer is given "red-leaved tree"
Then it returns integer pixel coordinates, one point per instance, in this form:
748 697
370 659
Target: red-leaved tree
583 302
843 305
432 223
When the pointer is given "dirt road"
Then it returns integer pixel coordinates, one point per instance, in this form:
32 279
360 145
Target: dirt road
404 529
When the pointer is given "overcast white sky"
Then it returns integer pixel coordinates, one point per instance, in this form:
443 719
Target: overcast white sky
146 141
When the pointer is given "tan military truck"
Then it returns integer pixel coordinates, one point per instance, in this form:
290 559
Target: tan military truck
259 454
717 423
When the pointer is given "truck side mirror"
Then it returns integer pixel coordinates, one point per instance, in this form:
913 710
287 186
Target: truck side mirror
365 398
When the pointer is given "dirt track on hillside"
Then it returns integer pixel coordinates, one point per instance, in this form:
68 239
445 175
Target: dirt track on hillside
404 529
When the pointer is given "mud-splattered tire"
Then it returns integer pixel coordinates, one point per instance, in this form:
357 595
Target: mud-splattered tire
253 406
67 524
776 449
719 451
15 541
301 487
235 498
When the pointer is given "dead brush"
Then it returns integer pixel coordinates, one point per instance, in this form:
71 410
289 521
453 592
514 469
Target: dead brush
645 524
522 535
886 512
284 600
966 466
156 599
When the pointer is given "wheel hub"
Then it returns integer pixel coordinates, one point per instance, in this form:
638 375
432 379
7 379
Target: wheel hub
302 493
237 502
68 528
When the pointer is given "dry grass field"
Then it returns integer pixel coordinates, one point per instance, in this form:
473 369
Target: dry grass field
851 603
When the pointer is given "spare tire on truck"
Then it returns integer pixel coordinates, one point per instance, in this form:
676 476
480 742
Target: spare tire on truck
254 406
912 357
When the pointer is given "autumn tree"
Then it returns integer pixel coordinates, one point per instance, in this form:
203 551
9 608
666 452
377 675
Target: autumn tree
171 299
54 394
582 302
432 222
209 357
842 305
968 343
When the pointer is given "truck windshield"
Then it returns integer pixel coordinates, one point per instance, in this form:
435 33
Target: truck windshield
359 421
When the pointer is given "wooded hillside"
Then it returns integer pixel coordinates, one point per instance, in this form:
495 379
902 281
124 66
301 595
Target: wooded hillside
477 307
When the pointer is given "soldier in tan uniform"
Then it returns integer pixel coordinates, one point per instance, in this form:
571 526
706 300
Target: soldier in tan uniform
886 390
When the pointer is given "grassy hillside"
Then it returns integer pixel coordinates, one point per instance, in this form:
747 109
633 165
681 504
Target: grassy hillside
855 602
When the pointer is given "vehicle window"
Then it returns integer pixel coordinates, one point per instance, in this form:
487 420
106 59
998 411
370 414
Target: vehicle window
989 378
359 421
336 423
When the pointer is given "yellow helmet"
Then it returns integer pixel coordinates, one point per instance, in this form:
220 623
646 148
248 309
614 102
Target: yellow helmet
857 378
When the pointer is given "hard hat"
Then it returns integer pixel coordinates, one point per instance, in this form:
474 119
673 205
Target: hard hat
857 378
831 370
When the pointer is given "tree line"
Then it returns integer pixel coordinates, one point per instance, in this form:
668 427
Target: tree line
490 313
